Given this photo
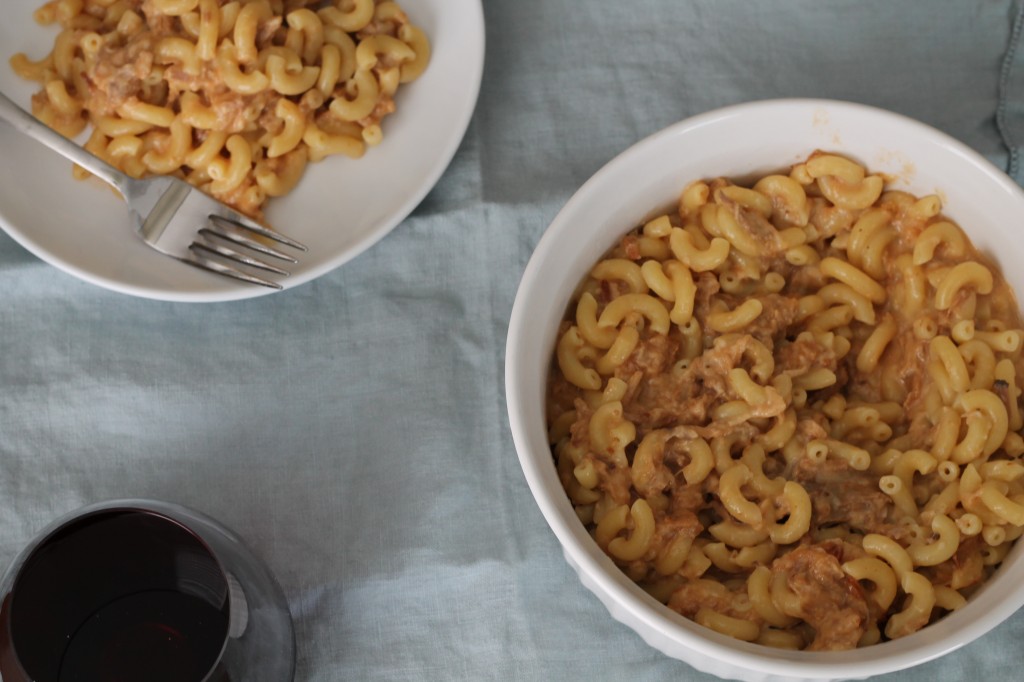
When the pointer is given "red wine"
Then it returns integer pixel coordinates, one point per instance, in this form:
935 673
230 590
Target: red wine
119 596
158 636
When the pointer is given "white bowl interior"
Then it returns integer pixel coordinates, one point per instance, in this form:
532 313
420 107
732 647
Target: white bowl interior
737 142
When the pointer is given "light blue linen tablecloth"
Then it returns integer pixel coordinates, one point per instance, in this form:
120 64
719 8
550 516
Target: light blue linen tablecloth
354 429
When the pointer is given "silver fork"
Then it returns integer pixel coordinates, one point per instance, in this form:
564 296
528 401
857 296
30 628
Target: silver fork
171 215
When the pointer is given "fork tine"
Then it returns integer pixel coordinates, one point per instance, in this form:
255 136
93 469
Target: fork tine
237 257
220 269
246 224
242 240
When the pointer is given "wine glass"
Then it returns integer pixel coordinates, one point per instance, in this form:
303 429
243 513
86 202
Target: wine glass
131 590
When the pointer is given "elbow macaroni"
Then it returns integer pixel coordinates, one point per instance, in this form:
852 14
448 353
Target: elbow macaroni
776 391
193 81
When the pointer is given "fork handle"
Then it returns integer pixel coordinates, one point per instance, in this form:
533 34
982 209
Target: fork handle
27 124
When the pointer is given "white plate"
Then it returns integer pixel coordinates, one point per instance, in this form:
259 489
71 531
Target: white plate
339 209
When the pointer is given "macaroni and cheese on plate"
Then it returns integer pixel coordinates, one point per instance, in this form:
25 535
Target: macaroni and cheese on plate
235 96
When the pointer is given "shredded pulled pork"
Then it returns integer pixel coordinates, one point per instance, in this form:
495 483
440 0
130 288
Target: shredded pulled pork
840 494
830 601
684 398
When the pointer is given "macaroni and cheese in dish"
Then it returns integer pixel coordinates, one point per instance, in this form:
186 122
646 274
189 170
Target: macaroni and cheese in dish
790 410
234 96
